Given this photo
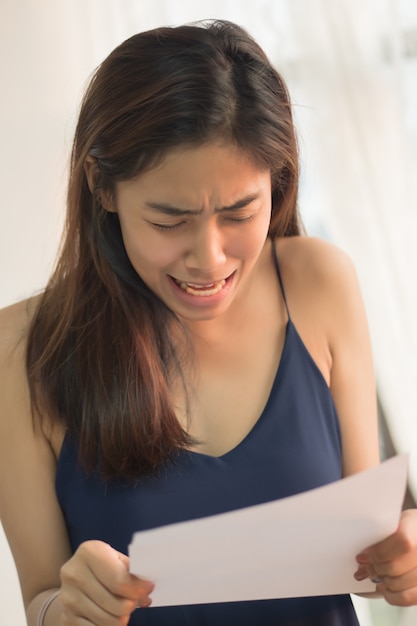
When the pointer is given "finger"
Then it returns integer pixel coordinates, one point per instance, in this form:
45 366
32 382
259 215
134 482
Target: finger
78 608
396 558
361 573
78 581
124 559
400 583
91 601
146 584
109 567
393 569
406 597
397 567
68 620
383 552
402 542
368 572
116 606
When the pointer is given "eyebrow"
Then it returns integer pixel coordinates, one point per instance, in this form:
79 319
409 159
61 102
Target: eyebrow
168 209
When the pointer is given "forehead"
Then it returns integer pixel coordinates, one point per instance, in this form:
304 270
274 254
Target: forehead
209 169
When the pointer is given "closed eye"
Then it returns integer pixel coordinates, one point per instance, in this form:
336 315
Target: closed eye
246 218
232 218
166 227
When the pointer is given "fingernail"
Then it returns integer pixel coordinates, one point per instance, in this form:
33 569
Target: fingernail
363 559
149 587
361 574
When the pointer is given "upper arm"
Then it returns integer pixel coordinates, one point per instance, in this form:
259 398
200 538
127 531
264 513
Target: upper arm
352 378
327 308
31 516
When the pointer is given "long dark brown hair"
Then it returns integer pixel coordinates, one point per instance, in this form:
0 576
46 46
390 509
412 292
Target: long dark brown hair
101 355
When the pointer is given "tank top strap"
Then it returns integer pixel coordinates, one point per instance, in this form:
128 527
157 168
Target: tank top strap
280 279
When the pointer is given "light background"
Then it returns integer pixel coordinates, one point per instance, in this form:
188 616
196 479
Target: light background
352 70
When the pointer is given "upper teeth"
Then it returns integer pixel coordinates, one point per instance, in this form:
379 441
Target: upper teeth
195 286
202 290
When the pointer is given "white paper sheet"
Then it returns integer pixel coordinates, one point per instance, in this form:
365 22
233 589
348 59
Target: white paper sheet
304 545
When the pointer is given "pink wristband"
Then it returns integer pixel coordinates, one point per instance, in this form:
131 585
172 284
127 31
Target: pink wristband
45 606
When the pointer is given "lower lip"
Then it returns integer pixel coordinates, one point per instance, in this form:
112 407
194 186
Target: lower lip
202 301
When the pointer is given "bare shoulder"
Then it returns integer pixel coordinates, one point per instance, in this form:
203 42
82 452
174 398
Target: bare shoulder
314 259
323 296
15 412
319 279
15 322
16 426
16 415
14 325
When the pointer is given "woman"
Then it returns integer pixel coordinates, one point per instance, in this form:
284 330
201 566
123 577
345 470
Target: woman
192 352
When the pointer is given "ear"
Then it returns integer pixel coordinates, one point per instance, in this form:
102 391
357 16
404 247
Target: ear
92 175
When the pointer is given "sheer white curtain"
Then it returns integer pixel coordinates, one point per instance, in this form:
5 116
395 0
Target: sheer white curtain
356 81
352 69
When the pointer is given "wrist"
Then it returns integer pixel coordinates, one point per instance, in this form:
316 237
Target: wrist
45 606
42 610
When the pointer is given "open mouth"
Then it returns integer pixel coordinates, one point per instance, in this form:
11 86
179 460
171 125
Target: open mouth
209 289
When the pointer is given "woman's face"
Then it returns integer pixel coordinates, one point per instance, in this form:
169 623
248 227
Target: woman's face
195 226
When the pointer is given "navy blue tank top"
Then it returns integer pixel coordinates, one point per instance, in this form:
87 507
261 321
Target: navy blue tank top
294 446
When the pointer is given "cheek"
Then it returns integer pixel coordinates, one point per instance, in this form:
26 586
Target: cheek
251 243
146 250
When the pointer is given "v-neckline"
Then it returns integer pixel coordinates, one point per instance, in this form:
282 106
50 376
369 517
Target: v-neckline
222 457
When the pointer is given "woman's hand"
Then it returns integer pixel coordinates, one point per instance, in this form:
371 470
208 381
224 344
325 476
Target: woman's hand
97 587
392 563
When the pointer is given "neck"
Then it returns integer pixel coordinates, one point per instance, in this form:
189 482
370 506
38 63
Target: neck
239 316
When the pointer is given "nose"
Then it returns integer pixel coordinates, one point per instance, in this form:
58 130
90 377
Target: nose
206 252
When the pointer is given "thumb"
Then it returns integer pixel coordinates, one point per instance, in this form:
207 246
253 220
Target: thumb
126 562
124 559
